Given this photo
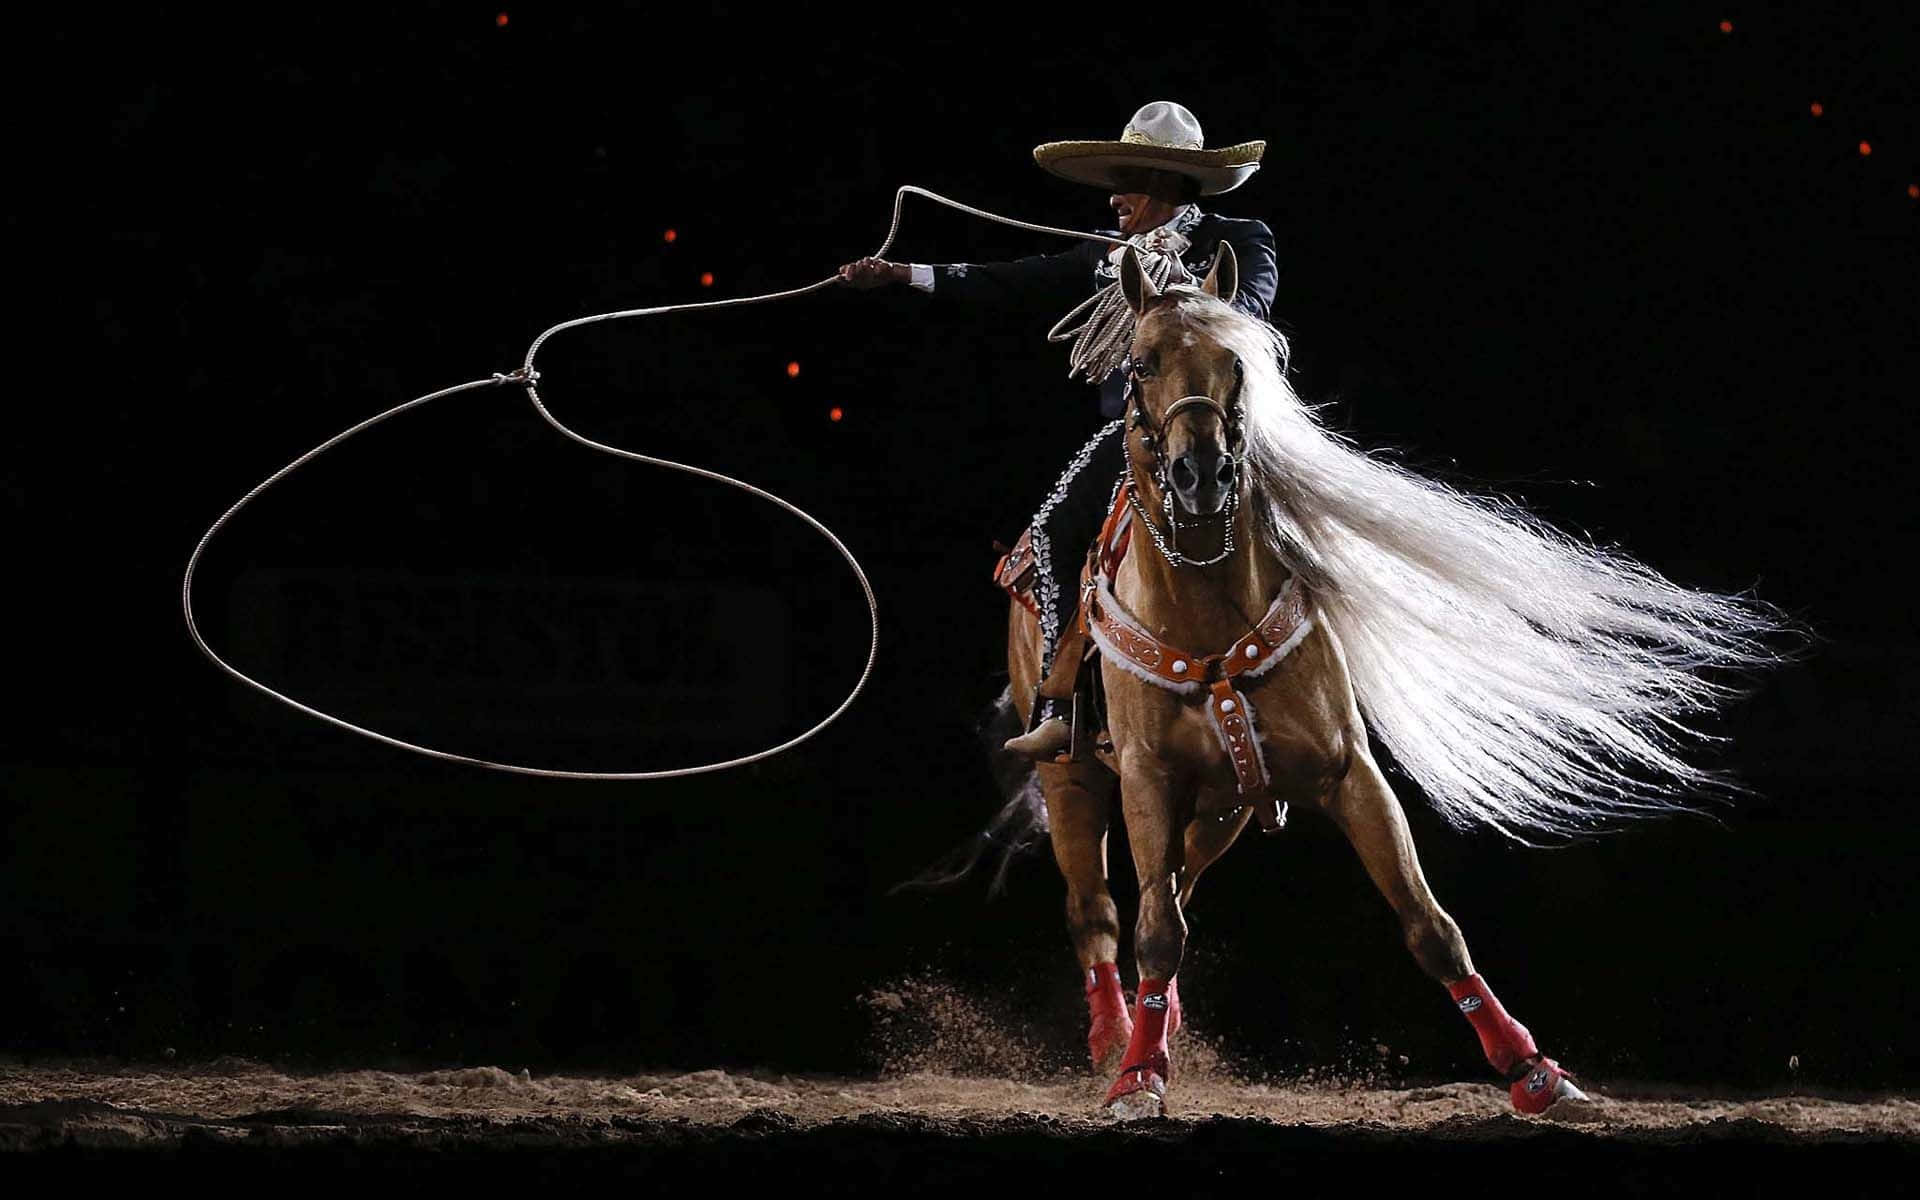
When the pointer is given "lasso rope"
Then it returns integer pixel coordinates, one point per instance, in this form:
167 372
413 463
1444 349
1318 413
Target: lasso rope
527 377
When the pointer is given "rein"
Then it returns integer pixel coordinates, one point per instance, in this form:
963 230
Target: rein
526 376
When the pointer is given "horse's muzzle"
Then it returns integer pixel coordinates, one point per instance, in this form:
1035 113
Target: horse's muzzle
1202 480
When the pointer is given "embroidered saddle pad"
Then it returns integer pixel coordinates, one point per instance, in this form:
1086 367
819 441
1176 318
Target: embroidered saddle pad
1015 571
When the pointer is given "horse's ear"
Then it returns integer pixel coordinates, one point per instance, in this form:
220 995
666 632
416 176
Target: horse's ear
1134 283
1223 282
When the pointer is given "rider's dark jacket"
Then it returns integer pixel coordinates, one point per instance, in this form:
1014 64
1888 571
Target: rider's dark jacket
1062 280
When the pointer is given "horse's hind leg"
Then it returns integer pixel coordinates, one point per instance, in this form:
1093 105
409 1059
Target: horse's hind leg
1079 804
1367 811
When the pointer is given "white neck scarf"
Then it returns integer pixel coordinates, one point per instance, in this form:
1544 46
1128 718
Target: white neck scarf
1168 239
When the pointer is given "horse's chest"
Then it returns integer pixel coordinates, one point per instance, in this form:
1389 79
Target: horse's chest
1300 739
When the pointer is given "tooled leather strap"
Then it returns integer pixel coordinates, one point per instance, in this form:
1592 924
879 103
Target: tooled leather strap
1135 648
1228 708
1276 634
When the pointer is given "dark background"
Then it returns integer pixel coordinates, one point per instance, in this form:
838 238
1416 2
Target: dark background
1609 264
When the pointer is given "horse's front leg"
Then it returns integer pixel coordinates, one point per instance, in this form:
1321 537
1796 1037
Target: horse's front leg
1367 811
1159 937
1079 803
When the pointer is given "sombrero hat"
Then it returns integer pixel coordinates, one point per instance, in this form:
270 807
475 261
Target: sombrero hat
1162 136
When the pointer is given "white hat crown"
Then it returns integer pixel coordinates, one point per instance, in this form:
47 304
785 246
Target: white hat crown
1164 123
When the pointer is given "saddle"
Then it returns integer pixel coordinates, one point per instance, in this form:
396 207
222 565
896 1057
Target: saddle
1098 622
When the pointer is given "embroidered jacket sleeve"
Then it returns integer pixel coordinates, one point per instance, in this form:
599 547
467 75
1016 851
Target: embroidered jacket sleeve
1061 280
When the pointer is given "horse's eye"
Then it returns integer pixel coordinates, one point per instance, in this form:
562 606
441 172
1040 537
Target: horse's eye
1142 368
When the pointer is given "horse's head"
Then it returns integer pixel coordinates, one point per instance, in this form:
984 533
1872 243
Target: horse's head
1183 415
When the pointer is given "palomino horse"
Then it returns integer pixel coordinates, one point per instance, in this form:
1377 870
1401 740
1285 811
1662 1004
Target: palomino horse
1181 597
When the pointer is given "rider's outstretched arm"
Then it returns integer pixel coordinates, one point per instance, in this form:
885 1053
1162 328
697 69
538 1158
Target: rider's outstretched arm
1041 280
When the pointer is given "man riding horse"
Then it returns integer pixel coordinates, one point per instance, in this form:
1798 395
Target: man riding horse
1155 174
1523 678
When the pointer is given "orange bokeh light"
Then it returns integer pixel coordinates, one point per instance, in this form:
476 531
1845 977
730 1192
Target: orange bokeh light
1913 191
671 235
1818 108
706 279
834 413
1726 27
793 370
500 21
1866 148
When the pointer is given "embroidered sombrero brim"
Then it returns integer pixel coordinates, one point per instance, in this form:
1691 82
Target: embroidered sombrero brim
1093 163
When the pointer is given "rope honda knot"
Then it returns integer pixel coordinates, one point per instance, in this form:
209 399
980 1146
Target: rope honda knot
517 375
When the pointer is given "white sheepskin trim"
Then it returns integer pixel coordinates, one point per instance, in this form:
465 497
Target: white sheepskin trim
1283 649
1259 744
1111 653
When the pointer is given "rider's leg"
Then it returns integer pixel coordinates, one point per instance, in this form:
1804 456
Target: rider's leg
1062 530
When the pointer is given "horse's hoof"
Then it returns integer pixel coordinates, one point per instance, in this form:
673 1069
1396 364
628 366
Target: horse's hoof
1139 1094
1571 1106
1544 1087
1141 1106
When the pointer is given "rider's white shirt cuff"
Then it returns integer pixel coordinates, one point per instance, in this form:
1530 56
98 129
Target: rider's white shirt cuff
922 276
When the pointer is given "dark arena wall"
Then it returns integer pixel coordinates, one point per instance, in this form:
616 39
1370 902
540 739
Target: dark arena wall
1612 265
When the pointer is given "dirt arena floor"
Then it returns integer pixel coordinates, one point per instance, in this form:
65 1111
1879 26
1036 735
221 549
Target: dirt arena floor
963 1099
922 1131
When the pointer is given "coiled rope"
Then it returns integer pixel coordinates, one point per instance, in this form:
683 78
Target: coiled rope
1101 341
528 377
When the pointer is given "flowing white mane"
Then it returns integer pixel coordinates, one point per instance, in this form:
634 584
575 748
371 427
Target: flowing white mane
1525 679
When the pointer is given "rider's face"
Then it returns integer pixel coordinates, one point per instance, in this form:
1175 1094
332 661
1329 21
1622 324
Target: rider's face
1145 199
1139 212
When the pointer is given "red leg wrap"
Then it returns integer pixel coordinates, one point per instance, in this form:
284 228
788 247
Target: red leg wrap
1533 1080
1506 1042
1147 1065
1109 1027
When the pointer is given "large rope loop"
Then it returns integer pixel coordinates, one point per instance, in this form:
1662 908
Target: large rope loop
526 376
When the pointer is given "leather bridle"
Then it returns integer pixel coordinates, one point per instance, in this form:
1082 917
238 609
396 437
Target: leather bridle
1153 438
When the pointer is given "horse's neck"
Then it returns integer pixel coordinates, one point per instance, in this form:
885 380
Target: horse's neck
1201 609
